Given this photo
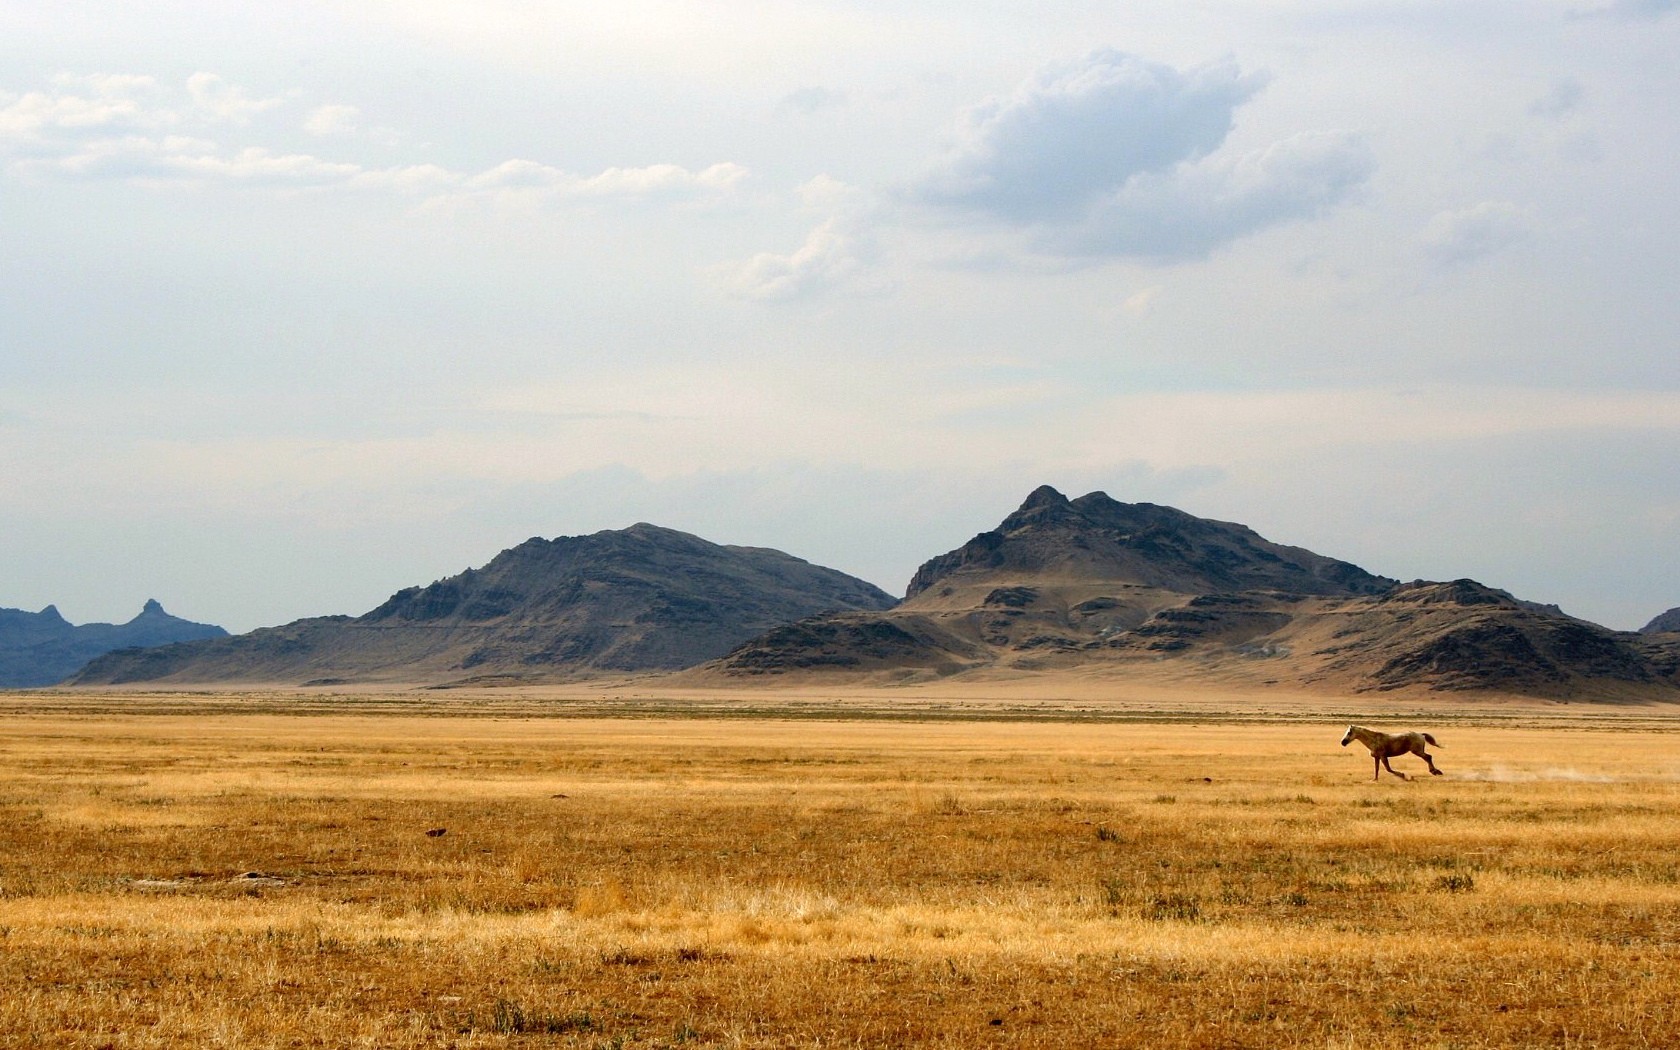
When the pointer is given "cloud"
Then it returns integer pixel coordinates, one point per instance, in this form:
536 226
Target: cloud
332 120
1458 238
831 253
1139 303
1079 131
81 105
1114 155
526 180
1196 208
185 160
809 100
218 100
836 250
110 127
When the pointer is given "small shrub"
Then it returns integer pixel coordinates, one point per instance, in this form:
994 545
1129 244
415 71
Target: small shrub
1114 892
949 805
1457 882
510 1018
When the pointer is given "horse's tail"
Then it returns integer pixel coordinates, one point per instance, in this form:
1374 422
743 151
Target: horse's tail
1433 741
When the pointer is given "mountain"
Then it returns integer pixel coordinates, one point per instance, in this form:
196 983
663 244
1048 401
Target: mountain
1144 590
43 648
643 598
1097 538
1665 623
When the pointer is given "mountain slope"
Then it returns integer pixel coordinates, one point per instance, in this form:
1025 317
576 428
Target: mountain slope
1663 623
636 599
43 648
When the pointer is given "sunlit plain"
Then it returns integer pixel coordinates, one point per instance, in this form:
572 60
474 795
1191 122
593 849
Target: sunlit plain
235 871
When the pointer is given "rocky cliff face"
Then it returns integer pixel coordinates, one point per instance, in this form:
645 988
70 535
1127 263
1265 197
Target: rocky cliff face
637 599
43 648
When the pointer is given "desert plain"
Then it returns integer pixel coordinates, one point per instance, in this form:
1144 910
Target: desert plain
1062 864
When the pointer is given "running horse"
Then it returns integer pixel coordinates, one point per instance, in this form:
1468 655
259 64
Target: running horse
1385 746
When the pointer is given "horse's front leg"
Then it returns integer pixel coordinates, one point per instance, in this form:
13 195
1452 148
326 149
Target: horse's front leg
1391 769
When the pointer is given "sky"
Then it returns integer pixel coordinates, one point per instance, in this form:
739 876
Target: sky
304 303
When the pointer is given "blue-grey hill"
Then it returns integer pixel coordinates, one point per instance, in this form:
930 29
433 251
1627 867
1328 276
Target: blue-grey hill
42 648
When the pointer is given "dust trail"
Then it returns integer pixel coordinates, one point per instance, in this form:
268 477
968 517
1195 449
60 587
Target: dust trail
1505 775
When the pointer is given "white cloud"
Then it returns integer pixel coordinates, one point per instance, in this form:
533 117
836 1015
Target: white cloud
515 180
332 120
81 105
1457 238
1114 155
657 180
179 159
218 100
97 128
831 253
1138 304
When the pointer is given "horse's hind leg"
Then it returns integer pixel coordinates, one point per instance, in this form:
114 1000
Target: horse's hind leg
1421 753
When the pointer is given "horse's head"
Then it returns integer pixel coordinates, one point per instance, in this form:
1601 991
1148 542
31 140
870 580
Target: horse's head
1348 735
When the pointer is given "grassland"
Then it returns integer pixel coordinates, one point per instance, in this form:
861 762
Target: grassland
224 872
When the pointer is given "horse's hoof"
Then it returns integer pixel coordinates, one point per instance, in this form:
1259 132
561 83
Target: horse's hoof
1434 772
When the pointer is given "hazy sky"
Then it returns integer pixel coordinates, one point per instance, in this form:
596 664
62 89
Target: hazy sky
302 303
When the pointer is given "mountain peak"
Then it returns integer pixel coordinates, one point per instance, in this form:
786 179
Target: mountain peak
153 607
1043 496
1096 537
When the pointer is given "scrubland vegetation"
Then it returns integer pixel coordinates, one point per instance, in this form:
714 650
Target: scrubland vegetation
337 880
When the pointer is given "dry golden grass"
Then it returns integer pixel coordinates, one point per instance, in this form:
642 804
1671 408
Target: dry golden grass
213 878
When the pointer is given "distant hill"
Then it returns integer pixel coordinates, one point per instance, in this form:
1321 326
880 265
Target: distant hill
43 648
1140 589
643 598
1665 623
